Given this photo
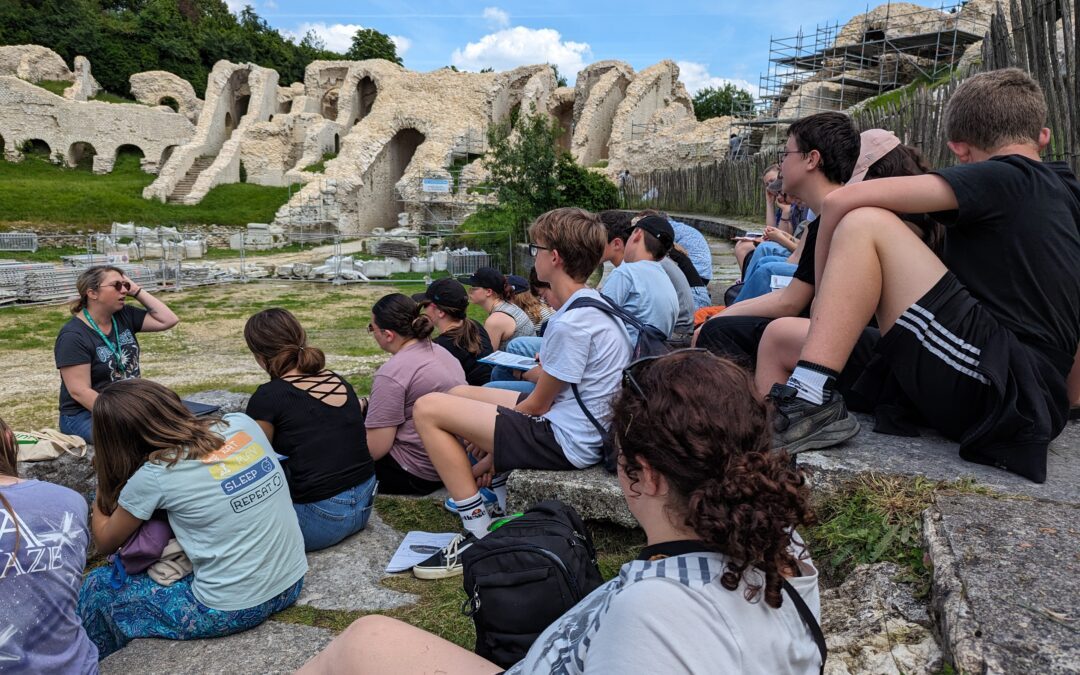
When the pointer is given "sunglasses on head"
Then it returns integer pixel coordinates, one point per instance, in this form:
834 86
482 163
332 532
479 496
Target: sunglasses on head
126 285
634 371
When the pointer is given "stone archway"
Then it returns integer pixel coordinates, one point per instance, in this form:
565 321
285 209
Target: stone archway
35 147
170 102
165 155
81 155
564 114
378 195
366 93
127 153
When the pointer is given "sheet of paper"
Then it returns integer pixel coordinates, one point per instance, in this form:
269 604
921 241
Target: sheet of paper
509 360
417 547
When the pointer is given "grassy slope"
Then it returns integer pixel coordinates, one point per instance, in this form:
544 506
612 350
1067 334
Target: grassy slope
36 192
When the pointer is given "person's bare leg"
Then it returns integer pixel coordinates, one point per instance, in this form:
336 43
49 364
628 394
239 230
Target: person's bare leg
440 419
381 645
778 352
503 397
742 250
882 268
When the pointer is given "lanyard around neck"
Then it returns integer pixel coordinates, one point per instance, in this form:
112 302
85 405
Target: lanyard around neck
115 349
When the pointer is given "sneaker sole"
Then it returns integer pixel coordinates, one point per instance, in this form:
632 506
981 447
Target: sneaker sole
833 434
440 573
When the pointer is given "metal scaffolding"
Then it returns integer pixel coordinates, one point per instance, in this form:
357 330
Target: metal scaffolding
836 66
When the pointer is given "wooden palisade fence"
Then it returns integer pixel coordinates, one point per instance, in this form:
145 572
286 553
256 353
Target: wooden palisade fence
1042 41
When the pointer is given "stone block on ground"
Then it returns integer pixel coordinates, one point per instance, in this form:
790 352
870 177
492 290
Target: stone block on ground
273 647
346 576
939 459
593 492
874 624
70 471
230 401
1006 576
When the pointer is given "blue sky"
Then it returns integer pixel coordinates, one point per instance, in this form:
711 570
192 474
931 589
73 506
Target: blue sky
712 41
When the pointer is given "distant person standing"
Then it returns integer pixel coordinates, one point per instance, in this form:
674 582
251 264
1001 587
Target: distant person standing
735 146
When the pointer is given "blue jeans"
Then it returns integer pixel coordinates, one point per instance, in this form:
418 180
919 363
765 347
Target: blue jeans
702 298
765 252
503 377
760 282
78 425
327 522
143 608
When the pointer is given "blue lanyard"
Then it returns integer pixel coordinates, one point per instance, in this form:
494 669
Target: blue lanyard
117 354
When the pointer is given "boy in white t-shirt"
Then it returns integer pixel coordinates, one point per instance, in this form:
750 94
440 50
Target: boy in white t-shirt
546 429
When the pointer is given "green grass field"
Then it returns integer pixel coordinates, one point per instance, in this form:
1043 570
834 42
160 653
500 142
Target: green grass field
36 192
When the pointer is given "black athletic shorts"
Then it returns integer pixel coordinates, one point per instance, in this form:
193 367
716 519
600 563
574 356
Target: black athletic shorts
395 480
974 381
526 442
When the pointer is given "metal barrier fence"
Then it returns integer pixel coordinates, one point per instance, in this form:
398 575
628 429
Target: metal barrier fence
18 241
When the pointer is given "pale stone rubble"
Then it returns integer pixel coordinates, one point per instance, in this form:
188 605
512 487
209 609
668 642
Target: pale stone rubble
155 87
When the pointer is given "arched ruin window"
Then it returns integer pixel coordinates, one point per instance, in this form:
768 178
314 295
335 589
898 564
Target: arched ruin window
366 93
81 155
36 147
170 102
129 155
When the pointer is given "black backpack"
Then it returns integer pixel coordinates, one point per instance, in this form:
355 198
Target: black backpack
651 342
524 575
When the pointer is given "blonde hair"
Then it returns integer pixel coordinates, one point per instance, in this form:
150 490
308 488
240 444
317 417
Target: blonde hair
578 235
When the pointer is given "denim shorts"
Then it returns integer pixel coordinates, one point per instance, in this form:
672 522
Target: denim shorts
325 523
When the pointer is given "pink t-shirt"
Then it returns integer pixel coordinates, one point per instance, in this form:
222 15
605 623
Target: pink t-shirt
418 369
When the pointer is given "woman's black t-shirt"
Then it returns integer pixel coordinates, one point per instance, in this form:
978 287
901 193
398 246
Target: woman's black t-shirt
476 374
326 445
78 344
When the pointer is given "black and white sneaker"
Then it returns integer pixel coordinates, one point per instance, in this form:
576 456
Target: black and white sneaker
447 562
800 425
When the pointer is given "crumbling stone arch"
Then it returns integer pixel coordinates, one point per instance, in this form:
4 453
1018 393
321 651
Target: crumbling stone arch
564 115
36 147
81 155
170 102
378 196
230 123
129 149
366 93
165 155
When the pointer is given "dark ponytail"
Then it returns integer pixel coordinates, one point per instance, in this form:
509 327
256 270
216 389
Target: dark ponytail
401 314
276 337
466 334
739 497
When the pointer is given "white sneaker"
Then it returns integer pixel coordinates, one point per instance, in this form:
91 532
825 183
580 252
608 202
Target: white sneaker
447 562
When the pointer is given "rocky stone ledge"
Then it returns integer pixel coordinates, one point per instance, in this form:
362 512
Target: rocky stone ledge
593 492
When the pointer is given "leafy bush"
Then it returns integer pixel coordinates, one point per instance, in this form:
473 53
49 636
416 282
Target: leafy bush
589 190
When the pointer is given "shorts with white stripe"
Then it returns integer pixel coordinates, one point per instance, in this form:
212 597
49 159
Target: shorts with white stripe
935 350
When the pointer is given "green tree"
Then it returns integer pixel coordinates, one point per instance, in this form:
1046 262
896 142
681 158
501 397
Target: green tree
717 102
369 43
560 80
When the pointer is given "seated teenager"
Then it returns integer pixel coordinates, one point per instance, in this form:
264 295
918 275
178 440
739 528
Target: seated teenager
820 154
640 284
583 347
510 378
313 418
982 342
228 504
41 522
490 289
699 288
717 589
445 302
529 302
417 366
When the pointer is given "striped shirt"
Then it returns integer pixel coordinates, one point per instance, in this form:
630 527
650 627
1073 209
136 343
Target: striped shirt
523 325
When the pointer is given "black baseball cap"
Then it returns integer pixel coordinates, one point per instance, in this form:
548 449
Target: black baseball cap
446 292
485 277
659 228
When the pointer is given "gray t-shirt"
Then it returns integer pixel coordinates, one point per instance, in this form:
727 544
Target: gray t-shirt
40 631
685 322
523 325
420 368
231 513
643 289
586 347
673 616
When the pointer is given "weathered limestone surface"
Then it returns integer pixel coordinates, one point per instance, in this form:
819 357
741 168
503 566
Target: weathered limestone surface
273 647
874 624
85 86
152 87
33 63
1006 579
29 112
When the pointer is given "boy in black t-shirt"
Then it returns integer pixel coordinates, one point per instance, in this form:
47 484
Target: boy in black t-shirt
983 342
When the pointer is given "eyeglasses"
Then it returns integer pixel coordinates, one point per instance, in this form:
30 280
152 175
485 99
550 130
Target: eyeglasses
370 327
784 153
126 285
533 248
635 370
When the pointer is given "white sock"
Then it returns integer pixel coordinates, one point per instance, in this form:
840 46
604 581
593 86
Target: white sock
498 486
810 383
474 516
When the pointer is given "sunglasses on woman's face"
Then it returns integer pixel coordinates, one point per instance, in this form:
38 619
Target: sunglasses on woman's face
635 370
118 285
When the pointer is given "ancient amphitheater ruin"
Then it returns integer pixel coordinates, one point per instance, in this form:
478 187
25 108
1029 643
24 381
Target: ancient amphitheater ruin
392 136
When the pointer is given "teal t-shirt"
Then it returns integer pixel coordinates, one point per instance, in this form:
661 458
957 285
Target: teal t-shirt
232 514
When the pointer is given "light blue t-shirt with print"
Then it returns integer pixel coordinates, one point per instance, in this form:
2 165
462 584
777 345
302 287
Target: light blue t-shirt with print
232 514
644 290
583 346
697 247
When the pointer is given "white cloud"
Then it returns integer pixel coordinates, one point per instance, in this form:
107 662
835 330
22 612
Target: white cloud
696 76
520 46
338 36
270 5
496 18
235 6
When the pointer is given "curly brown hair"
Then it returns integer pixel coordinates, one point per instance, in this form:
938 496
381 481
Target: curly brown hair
701 427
